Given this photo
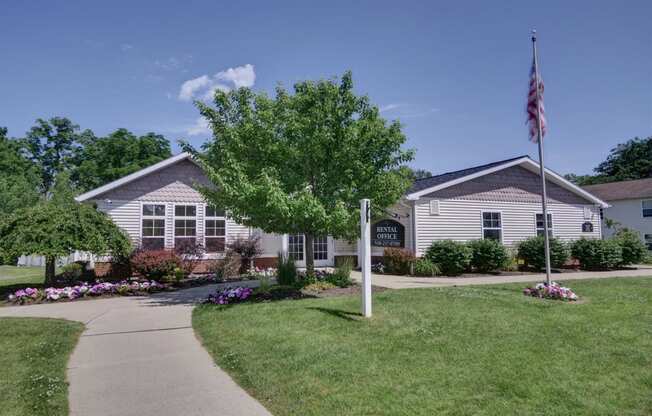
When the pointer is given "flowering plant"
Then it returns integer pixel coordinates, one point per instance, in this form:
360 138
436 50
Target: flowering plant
230 295
550 291
85 289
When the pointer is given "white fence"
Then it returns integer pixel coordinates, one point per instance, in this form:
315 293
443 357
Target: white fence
39 261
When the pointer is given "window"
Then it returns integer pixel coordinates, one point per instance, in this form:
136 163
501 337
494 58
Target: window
214 230
492 227
320 248
540 228
185 224
648 241
647 208
153 227
295 247
434 207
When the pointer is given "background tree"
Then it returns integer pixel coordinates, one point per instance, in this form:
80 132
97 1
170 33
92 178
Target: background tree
53 145
627 161
417 174
58 227
19 178
299 163
105 159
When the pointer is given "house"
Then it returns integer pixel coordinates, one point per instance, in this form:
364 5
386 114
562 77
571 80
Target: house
160 207
631 206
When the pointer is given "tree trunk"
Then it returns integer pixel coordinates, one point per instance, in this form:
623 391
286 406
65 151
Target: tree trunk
49 270
310 254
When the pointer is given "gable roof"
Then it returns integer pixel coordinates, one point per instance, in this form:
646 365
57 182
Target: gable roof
429 185
132 177
612 191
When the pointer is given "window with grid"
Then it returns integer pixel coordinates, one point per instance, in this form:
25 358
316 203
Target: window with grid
540 229
492 227
648 241
214 230
185 224
153 227
647 208
320 248
295 247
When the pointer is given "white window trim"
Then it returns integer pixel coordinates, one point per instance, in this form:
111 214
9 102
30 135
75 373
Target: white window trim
502 228
141 217
642 201
303 254
437 204
175 217
552 218
226 229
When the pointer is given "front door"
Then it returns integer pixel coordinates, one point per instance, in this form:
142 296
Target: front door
322 250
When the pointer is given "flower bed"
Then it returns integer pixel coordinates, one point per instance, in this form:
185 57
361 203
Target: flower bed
552 291
230 295
53 294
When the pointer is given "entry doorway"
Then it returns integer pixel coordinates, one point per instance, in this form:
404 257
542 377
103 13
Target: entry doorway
322 250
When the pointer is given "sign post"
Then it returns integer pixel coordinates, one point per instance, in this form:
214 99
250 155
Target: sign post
365 252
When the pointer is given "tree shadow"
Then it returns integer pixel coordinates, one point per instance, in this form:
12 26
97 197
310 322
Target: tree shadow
339 313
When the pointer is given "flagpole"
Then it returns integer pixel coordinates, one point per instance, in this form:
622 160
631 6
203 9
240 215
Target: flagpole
544 197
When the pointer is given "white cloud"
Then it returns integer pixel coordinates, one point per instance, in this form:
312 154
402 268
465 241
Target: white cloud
389 107
200 127
126 47
204 87
190 87
240 76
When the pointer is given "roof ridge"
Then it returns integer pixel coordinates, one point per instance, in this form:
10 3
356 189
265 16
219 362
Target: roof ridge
473 167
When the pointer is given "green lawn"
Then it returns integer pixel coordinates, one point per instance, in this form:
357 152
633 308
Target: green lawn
13 278
33 358
485 350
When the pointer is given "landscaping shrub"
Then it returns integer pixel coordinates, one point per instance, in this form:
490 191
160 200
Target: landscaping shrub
155 264
532 252
633 249
425 268
488 255
397 260
451 257
597 254
227 267
286 271
342 275
248 249
71 272
190 252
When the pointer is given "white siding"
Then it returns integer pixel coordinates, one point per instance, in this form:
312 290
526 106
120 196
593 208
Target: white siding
462 220
125 214
628 213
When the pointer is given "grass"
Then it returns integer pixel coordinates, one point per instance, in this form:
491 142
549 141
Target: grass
33 358
13 278
484 350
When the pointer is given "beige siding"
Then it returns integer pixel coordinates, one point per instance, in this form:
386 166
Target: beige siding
462 220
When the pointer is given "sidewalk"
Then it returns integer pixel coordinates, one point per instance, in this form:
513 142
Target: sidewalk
139 357
407 282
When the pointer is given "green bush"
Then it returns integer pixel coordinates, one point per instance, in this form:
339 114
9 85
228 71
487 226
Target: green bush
342 275
488 255
227 267
532 252
634 251
597 254
425 268
397 260
72 272
286 271
451 257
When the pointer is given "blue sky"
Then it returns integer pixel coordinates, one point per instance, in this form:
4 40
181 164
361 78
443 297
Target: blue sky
455 73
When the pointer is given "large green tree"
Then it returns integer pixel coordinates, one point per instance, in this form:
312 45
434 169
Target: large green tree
19 178
59 226
102 160
53 145
300 163
627 161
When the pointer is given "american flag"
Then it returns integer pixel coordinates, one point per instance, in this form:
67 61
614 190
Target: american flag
532 106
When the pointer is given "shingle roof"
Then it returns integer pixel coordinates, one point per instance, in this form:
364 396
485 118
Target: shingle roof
612 191
426 183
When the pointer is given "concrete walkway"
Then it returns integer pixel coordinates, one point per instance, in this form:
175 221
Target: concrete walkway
139 356
408 282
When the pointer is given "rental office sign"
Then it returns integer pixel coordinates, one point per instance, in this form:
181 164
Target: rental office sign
388 233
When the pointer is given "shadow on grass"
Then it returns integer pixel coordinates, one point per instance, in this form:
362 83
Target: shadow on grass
338 313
